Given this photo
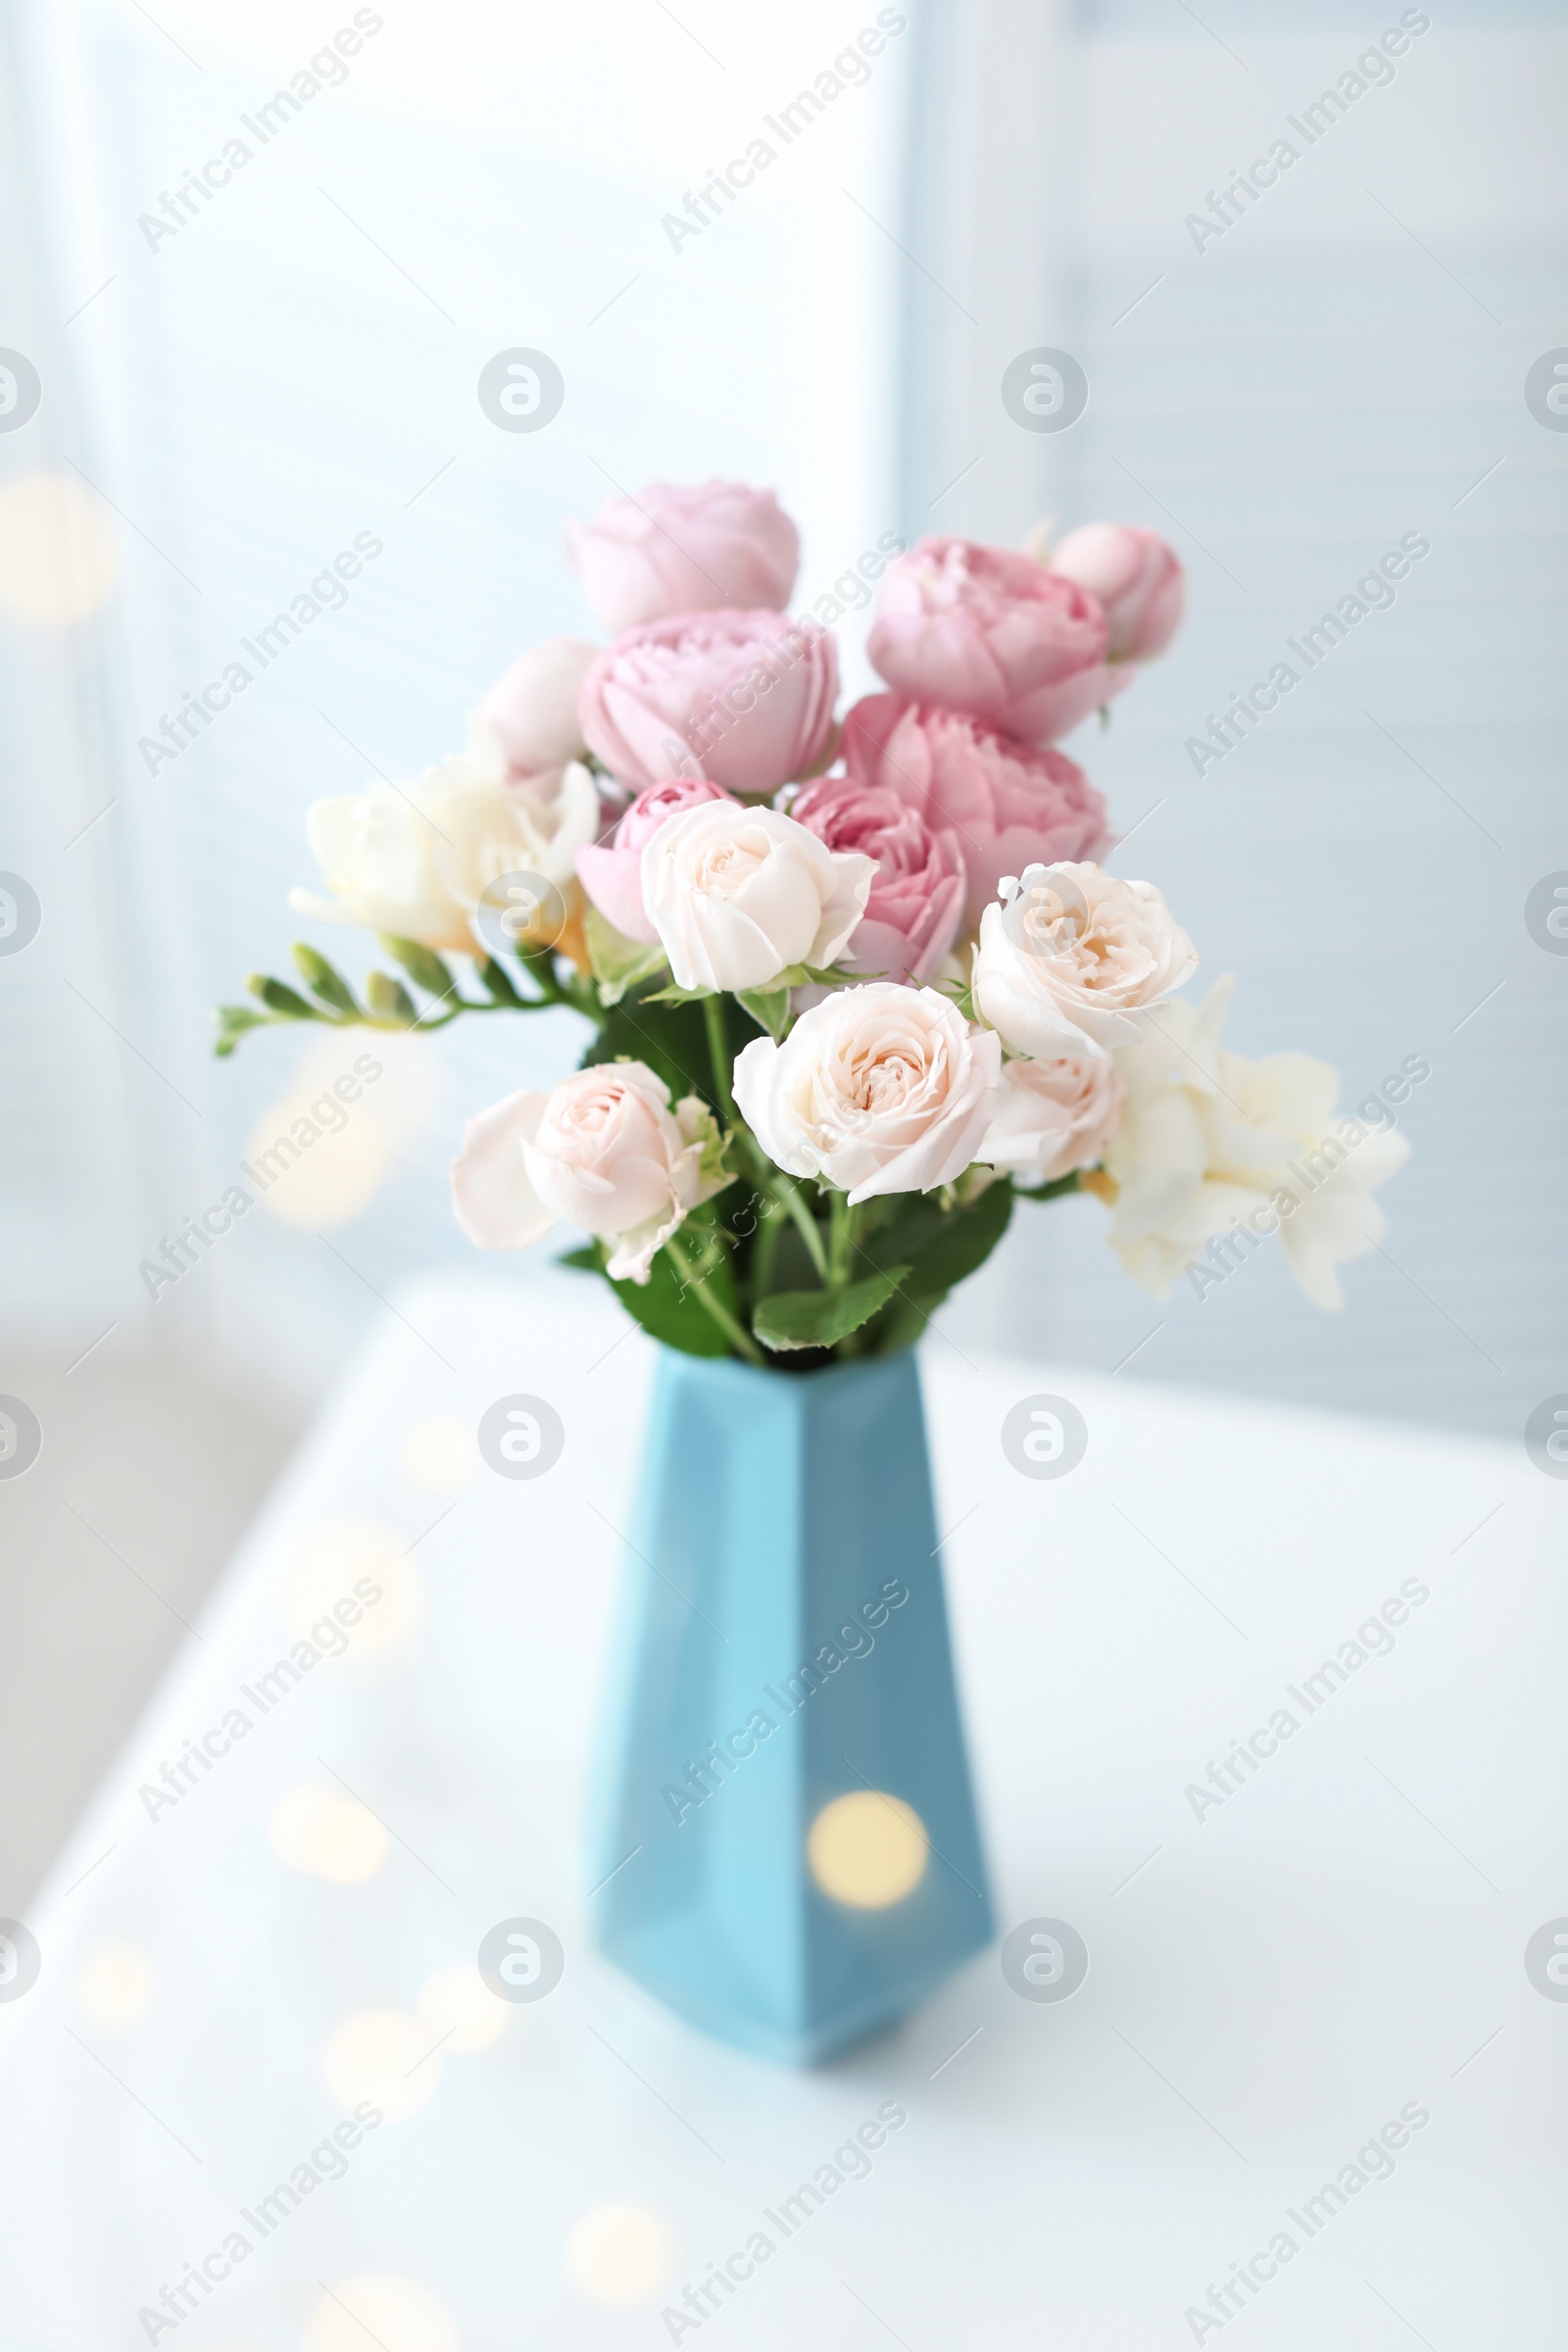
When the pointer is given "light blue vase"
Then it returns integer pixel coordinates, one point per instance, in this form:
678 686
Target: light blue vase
784 1838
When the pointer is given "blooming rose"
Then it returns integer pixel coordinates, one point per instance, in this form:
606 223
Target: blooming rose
745 698
416 861
878 1089
1053 1117
985 629
1211 1144
529 717
602 1149
670 549
1009 804
917 891
737 894
611 872
1136 577
1076 960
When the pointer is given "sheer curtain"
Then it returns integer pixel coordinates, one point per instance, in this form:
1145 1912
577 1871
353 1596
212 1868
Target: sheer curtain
280 298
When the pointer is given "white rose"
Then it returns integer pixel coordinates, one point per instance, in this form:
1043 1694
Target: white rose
1053 1117
737 894
601 1150
879 1090
1211 1143
414 859
1075 959
529 717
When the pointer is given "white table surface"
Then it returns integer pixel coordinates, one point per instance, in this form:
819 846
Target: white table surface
1268 1985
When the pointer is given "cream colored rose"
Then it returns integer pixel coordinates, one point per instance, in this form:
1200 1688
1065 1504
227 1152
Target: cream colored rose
1211 1143
877 1090
738 894
414 859
1051 1117
602 1149
1074 958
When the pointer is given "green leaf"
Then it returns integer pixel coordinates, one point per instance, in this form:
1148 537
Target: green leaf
668 1309
589 1259
821 1319
285 1000
770 1008
679 996
423 964
323 980
672 1039
496 981
391 999
616 961
1049 1192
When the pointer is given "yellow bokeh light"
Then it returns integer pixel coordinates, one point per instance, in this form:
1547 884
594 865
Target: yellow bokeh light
334 1178
441 1455
356 2314
383 2055
330 1834
620 2256
59 556
867 1849
461 2012
115 1986
354 1560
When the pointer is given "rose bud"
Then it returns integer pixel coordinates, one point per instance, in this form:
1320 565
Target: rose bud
670 549
1053 1117
1136 577
744 698
528 718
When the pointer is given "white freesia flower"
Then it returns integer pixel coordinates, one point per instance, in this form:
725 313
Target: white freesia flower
416 859
1209 1143
603 1149
880 1089
738 894
1074 959
1051 1117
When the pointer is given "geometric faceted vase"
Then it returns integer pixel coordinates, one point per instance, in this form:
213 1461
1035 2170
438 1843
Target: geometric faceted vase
783 1796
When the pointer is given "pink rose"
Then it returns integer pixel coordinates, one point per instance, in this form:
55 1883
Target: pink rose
1009 806
985 629
1053 1117
917 891
1136 577
611 872
529 717
744 698
670 549
602 1149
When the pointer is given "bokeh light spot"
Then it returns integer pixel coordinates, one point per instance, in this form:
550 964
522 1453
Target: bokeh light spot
867 1849
330 1834
620 2256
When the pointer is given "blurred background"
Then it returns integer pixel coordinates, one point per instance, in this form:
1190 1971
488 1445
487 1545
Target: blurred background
223 407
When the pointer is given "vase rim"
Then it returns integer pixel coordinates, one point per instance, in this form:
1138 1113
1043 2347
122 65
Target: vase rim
718 1366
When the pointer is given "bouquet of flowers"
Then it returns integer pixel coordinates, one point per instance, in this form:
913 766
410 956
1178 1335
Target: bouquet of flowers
850 988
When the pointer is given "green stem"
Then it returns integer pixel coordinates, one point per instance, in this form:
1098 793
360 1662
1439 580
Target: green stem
788 1194
718 1053
739 1338
841 1221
